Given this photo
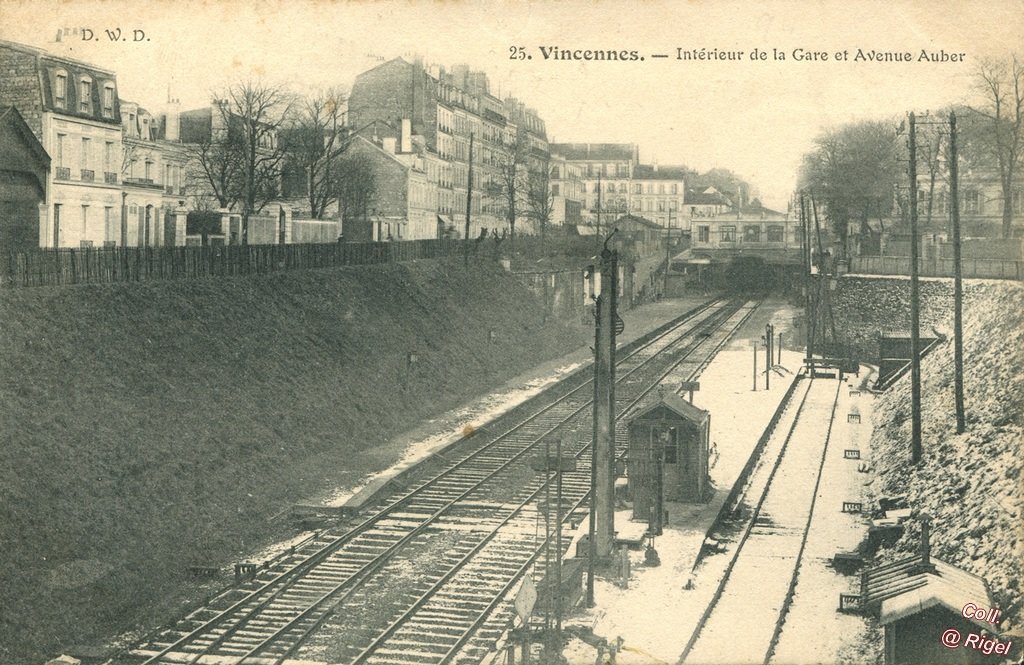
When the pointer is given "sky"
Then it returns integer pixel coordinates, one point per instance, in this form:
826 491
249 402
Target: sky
755 117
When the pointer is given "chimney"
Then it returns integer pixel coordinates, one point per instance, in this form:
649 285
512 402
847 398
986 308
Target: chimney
172 120
388 144
406 135
655 166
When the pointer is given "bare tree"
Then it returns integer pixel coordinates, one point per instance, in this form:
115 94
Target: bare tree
540 200
355 186
314 141
511 183
213 171
1001 84
254 114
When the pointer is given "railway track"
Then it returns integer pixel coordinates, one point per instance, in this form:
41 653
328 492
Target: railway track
757 585
425 577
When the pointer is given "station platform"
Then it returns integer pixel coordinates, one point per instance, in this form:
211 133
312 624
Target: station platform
680 588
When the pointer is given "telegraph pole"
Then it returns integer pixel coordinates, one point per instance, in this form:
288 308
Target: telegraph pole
599 208
915 341
806 256
602 465
958 287
668 253
469 197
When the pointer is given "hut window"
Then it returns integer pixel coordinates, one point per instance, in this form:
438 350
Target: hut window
670 445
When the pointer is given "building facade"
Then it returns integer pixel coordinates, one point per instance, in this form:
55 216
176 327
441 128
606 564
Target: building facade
402 204
450 110
614 183
73 109
566 183
659 193
773 236
116 171
606 171
152 176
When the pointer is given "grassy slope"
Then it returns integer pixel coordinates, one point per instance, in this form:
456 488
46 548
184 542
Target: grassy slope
970 484
153 426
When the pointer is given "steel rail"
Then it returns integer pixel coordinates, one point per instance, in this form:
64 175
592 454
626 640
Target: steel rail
484 615
383 558
315 558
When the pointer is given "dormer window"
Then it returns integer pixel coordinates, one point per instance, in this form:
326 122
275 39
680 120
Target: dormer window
108 100
60 94
85 96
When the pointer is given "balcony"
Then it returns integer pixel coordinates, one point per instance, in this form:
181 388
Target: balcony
63 173
110 178
142 182
88 175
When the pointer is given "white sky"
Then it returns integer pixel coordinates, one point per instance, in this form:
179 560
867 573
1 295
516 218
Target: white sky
756 118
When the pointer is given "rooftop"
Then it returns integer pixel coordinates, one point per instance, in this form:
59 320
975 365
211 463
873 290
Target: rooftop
595 151
653 172
904 588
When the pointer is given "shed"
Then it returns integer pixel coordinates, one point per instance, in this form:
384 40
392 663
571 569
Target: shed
668 456
916 599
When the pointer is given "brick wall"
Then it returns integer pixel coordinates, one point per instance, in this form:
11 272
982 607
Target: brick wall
19 86
391 92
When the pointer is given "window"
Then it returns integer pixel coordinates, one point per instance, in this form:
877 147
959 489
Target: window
85 218
86 144
554 189
109 231
622 188
776 233
669 445
61 93
638 189
661 205
85 96
60 149
971 202
108 157
752 233
704 234
149 170
108 100
583 187
661 188
728 233
675 189
1017 200
672 205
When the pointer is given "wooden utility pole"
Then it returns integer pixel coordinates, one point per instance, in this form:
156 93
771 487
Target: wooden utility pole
915 340
602 465
558 552
469 198
958 287
599 208
809 316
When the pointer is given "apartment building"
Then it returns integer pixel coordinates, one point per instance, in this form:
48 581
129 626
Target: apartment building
73 109
450 109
